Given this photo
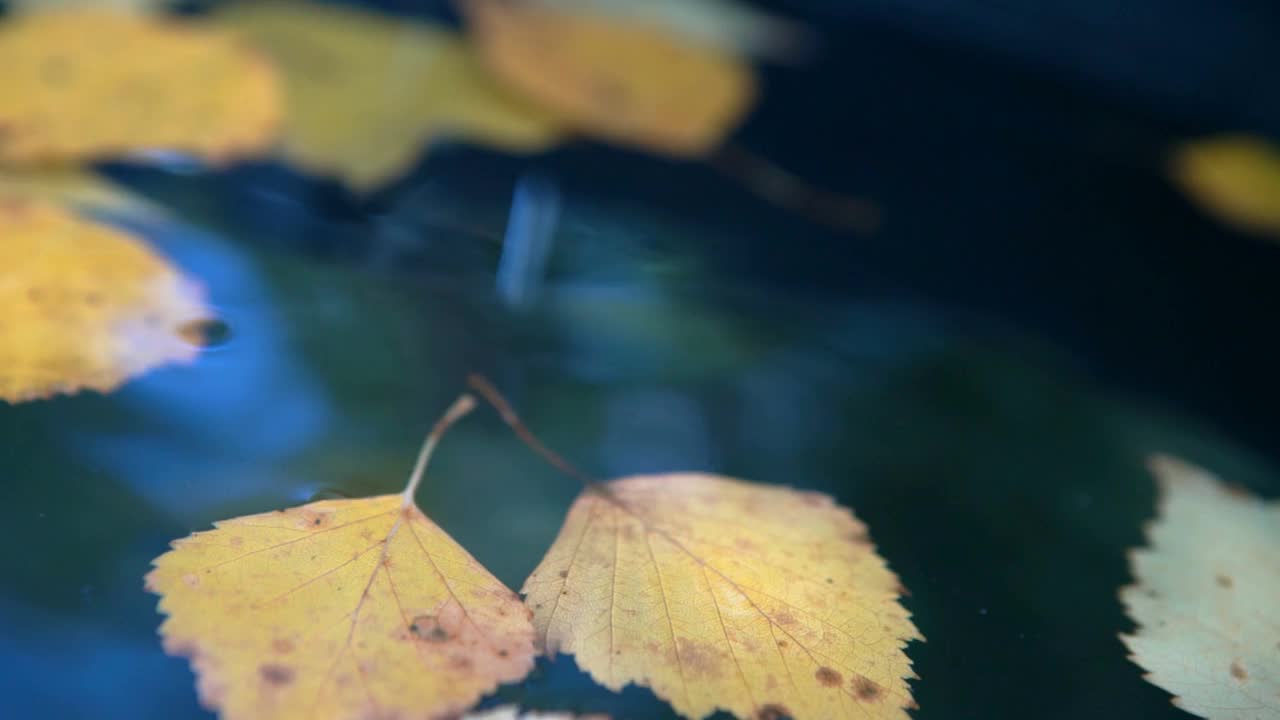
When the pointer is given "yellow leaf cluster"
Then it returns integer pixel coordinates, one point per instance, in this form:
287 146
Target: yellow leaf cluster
86 83
1235 177
365 92
85 305
1207 597
340 609
630 83
717 593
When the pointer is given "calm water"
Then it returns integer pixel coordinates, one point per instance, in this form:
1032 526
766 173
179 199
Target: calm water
980 380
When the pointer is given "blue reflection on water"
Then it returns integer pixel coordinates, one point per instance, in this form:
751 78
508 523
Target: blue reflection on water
244 406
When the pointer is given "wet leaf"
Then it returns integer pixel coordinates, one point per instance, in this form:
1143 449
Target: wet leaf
366 92
1234 177
120 5
1207 597
85 305
340 609
717 593
511 712
84 84
75 187
729 25
630 83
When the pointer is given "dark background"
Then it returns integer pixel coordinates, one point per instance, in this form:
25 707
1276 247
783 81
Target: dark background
980 379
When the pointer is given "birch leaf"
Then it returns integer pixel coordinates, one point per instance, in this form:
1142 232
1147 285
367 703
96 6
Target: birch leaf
718 593
85 306
729 25
340 609
628 83
1207 597
1234 177
511 712
365 92
86 84
75 187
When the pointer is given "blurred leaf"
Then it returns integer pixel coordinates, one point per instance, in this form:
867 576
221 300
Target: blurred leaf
85 305
1234 177
365 91
511 712
718 593
119 5
340 609
75 187
84 84
1207 598
729 25
624 82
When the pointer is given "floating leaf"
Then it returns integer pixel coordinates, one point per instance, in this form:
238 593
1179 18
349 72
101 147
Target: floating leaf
341 609
511 712
1207 598
717 593
365 91
82 84
1235 177
728 25
75 187
85 305
628 83
119 5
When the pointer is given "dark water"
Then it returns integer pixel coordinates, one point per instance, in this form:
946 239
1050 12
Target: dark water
980 380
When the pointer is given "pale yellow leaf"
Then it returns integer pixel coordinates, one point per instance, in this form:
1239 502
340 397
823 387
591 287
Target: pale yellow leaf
511 712
366 92
84 305
1207 597
630 83
76 187
1234 177
340 610
118 5
85 84
718 593
730 25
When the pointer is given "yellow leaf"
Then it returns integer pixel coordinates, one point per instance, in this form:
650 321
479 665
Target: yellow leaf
630 83
730 25
717 593
85 305
511 712
1235 177
82 84
1207 598
365 92
344 609
120 5
76 187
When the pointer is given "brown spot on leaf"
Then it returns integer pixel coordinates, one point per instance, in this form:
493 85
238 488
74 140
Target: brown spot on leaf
282 645
564 574
784 618
1238 672
426 627
1224 581
699 659
782 643
828 677
276 675
865 689
772 712
191 579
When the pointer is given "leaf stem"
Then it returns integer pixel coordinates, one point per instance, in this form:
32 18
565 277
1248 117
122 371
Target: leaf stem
486 390
460 407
